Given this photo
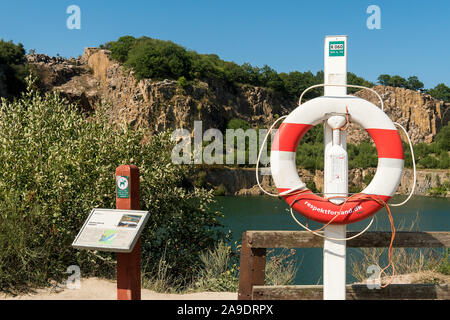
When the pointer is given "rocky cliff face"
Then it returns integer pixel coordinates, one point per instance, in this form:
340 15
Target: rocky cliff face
243 181
420 114
159 105
71 77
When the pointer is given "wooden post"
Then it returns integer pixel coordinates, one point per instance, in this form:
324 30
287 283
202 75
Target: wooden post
251 270
128 264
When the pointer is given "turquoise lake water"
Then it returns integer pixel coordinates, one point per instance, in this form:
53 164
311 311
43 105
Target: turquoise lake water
266 213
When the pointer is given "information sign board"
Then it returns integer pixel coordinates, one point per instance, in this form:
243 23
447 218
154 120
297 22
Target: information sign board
111 230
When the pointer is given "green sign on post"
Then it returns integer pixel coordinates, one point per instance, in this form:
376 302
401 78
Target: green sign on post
336 48
123 187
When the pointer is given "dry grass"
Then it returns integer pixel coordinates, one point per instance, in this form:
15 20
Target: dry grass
280 268
412 265
424 264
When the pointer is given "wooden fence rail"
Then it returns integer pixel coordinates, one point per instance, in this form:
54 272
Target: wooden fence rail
253 262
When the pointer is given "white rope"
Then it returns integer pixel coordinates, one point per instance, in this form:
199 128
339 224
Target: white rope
293 189
259 157
340 85
330 238
414 167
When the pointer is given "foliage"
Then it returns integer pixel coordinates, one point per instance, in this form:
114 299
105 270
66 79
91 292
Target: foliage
280 268
151 58
160 279
363 155
158 59
405 260
441 92
444 265
368 178
412 82
219 270
120 48
55 166
441 189
182 82
238 124
310 152
434 155
424 262
221 190
12 68
354 79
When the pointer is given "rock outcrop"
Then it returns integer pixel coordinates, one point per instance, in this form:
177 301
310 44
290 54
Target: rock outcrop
159 105
243 181
420 114
71 77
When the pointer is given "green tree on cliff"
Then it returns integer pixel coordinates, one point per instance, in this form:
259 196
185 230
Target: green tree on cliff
441 92
12 68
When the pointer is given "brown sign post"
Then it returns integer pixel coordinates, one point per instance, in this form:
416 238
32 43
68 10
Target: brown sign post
128 264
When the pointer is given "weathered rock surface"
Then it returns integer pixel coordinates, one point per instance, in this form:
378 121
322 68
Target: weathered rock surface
159 105
71 77
243 181
421 114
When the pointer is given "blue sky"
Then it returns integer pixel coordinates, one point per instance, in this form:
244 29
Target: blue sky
414 38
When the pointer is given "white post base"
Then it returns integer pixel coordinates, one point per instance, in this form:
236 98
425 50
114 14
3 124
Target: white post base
334 266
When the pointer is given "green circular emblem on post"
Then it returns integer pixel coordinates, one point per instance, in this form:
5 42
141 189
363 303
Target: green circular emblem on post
123 187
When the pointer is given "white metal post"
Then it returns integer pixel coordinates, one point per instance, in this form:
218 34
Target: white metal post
334 252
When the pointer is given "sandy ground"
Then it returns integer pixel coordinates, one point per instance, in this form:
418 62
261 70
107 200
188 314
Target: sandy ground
100 289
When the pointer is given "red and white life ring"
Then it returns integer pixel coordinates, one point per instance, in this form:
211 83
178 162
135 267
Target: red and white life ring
390 159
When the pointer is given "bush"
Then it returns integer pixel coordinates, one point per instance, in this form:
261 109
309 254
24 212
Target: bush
424 265
219 271
412 82
362 156
55 166
121 47
444 265
221 190
442 139
158 59
428 162
12 68
238 124
441 92
182 82
280 268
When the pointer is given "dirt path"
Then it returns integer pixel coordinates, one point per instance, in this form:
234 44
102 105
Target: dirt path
101 289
